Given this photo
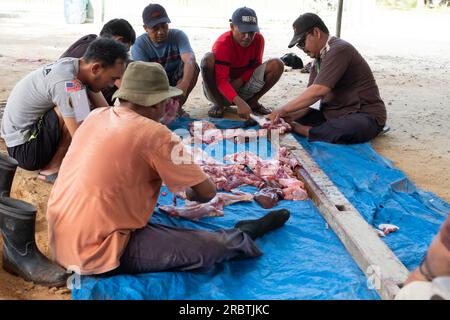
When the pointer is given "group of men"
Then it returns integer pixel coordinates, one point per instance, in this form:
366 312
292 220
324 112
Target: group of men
342 103
111 161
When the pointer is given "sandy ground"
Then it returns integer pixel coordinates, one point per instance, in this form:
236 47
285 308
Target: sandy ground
411 65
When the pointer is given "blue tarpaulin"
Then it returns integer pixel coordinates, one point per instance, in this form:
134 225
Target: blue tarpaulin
304 259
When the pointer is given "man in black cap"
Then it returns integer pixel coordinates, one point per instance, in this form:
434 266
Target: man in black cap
168 47
342 103
234 72
117 29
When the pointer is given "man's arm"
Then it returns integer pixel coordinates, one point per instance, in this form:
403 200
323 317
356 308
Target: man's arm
437 261
97 99
310 96
293 116
188 59
71 124
202 192
243 109
139 52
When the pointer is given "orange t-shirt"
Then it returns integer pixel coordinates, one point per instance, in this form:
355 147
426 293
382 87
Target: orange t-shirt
108 185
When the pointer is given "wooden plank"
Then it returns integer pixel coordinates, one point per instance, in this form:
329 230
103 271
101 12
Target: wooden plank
383 269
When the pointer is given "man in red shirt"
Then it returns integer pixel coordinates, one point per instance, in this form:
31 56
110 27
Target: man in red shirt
233 73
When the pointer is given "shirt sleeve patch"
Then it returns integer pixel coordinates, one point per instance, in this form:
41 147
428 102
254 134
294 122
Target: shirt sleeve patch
73 86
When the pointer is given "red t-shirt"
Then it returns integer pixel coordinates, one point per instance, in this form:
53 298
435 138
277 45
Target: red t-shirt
234 61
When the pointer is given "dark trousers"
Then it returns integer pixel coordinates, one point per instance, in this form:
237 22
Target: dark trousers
348 129
36 153
158 248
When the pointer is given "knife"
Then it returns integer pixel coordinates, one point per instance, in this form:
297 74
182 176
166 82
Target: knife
261 121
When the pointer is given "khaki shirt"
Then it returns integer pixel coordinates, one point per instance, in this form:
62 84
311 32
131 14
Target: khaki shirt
353 86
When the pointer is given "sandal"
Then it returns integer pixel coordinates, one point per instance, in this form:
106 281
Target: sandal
261 109
183 114
216 112
49 178
385 130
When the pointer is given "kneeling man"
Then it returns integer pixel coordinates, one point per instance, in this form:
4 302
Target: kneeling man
342 103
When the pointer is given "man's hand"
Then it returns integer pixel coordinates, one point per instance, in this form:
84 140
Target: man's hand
416 275
237 83
203 192
170 111
183 87
243 109
275 115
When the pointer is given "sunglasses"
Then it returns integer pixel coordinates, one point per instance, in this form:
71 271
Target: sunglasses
302 41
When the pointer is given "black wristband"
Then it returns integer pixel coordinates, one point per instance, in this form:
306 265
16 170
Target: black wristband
427 274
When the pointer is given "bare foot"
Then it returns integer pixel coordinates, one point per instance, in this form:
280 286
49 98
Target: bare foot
300 129
48 177
259 108
216 111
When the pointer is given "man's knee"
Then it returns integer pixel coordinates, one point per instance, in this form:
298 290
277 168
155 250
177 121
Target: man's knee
28 157
275 65
208 61
196 70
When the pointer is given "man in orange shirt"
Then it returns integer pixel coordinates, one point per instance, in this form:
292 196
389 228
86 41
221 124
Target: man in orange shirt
109 183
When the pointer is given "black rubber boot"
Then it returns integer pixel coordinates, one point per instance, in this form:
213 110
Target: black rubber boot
21 256
271 221
8 167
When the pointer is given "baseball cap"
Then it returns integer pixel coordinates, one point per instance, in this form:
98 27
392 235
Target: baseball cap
303 24
145 84
245 19
154 14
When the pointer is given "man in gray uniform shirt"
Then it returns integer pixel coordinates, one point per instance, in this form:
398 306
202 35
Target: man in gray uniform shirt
46 107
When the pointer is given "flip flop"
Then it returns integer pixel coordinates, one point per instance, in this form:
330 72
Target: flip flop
386 129
49 178
262 110
183 114
216 112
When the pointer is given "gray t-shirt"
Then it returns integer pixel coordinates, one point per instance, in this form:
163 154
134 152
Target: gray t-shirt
37 93
167 54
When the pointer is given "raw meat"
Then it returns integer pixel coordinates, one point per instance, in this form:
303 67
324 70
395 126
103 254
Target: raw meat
241 135
214 208
291 183
282 126
273 169
385 229
205 132
170 111
268 197
193 212
229 177
244 158
247 168
295 193
200 157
